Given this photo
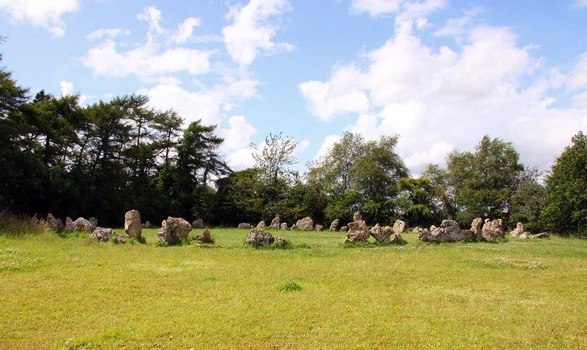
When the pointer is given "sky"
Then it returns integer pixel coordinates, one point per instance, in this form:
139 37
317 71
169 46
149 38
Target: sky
439 74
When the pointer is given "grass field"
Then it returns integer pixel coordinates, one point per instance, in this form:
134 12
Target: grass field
73 293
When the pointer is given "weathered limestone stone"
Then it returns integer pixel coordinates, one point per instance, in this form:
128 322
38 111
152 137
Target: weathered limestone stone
477 228
357 216
103 234
68 225
318 227
258 238
261 225
82 225
305 224
173 230
205 237
423 234
94 222
199 223
132 223
399 226
54 223
283 226
244 225
276 222
344 229
357 232
381 234
147 224
293 227
541 235
492 229
334 225
449 231
519 230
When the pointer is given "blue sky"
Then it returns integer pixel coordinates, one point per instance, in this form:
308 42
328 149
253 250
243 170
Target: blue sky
438 73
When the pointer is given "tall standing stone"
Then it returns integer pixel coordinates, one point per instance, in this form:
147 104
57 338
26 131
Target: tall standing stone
132 224
68 225
173 230
399 226
276 222
334 225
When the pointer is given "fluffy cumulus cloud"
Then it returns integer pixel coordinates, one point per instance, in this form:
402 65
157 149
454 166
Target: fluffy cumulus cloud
579 3
440 99
162 55
236 147
66 88
209 104
375 7
251 31
42 13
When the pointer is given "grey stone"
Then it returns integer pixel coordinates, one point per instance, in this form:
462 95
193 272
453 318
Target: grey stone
276 222
132 223
174 230
82 225
199 223
305 224
399 226
493 229
334 225
357 232
205 237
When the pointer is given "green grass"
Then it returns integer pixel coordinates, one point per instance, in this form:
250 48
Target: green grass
71 293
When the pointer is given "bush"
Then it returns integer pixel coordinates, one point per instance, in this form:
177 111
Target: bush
289 286
11 225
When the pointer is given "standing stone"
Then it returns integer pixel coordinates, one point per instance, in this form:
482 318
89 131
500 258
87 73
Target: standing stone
261 225
423 234
519 230
449 231
102 234
259 238
492 229
94 222
357 216
83 225
173 230
357 232
334 225
399 226
306 224
541 235
381 234
318 227
54 223
244 225
132 224
68 225
477 228
344 229
199 223
205 237
283 226
276 222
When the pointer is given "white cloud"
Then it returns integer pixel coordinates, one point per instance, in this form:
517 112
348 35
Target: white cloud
156 59
66 88
144 62
186 29
251 31
327 145
342 94
578 78
237 139
579 3
302 146
106 33
375 7
41 13
439 99
208 104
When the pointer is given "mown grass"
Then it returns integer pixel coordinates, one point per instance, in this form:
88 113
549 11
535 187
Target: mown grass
71 293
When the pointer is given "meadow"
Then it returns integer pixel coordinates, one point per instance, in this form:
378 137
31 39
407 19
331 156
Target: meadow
68 292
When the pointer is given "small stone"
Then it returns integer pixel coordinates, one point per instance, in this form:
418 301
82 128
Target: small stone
334 225
305 224
205 237
199 223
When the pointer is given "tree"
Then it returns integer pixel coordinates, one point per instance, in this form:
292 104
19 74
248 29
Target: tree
566 195
415 201
359 175
528 201
273 156
484 181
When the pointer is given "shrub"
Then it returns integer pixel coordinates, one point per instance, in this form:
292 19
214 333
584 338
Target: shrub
11 225
289 286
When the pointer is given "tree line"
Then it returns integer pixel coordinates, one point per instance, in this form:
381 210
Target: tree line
105 158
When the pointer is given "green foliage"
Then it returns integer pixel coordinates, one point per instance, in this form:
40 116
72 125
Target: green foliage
566 194
289 286
359 175
483 182
528 202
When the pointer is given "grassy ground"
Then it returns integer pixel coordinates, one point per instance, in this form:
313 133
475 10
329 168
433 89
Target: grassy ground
72 293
